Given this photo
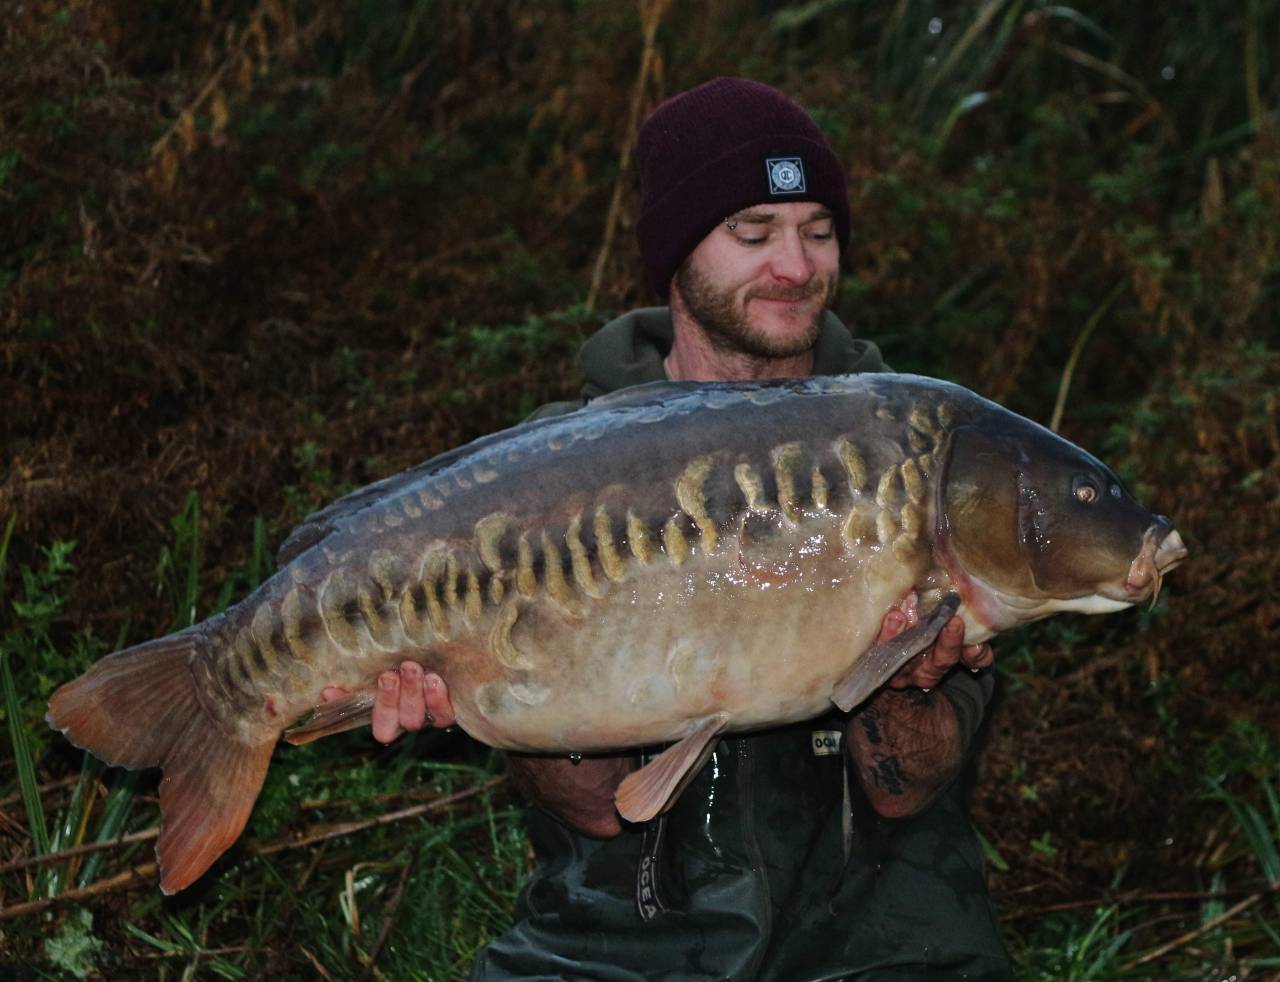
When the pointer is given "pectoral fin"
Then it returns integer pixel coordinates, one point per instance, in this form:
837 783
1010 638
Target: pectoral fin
654 788
343 714
874 668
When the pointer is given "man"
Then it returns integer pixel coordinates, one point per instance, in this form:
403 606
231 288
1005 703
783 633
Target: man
776 862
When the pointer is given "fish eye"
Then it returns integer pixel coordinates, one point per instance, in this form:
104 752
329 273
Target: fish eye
1084 490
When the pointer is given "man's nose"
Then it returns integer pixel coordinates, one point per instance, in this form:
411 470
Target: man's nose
791 262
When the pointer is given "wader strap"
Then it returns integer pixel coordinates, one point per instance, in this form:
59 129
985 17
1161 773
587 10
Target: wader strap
846 815
650 899
649 892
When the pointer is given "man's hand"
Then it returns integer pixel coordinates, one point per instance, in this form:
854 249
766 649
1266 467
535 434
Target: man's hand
928 668
580 795
905 740
407 700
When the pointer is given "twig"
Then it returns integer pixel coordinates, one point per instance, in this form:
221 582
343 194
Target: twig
144 872
312 866
316 964
412 794
53 857
1167 896
347 828
148 870
656 9
1190 936
62 782
388 918
201 953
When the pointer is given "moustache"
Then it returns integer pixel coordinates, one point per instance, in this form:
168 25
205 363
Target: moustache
815 288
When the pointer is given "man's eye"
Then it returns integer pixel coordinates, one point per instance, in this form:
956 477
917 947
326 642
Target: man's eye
822 233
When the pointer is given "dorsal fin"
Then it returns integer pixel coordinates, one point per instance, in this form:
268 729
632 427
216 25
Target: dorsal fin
640 395
322 522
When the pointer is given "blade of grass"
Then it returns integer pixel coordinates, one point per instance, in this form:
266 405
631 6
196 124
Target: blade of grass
888 50
191 592
1098 954
991 854
1253 91
114 816
1079 19
75 821
966 105
4 548
178 571
1064 385
22 758
966 40
260 558
1260 837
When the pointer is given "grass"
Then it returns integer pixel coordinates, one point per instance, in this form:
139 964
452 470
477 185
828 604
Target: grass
351 896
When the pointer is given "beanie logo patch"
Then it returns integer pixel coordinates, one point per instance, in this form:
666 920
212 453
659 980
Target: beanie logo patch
786 175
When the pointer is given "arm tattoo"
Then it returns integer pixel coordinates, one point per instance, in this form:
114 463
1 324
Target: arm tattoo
869 718
887 773
885 770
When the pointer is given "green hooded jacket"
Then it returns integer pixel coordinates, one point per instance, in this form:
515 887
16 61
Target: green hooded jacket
772 864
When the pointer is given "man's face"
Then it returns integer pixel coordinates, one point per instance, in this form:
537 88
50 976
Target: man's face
760 281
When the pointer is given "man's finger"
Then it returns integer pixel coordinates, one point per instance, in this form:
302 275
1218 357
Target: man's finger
437 697
386 708
929 668
946 651
894 623
413 709
332 692
907 676
978 656
925 671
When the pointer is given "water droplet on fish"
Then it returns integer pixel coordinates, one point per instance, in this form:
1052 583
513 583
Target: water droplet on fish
575 759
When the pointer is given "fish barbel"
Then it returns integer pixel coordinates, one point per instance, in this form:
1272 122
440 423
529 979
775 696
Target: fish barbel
672 562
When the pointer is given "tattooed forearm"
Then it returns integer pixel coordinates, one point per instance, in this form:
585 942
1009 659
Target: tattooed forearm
906 748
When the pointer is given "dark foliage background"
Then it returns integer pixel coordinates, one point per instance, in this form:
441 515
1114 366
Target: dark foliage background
254 254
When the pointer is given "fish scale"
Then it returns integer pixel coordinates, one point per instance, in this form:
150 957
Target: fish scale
675 561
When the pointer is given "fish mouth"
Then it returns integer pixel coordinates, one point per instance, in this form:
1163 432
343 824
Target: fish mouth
1162 550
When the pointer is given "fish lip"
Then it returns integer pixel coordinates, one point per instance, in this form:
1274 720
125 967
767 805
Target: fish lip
1162 550
1171 552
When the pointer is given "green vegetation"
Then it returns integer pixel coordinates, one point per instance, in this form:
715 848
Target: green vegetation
260 253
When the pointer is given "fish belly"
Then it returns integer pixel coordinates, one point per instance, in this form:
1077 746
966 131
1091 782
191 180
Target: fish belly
763 639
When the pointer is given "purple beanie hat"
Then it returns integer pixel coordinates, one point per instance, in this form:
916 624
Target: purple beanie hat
726 145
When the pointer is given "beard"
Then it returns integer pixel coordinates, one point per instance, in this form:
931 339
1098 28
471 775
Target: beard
726 324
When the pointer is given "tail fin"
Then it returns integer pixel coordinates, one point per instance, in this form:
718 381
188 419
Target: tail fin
139 708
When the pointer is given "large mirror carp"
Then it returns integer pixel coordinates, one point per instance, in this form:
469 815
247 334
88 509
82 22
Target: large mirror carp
675 561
